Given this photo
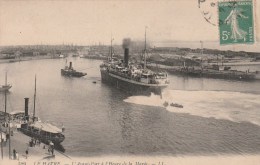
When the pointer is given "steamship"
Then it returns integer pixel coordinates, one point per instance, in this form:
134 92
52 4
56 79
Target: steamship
33 127
69 71
132 77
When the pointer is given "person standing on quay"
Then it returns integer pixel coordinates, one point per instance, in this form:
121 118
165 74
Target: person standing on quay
26 153
14 154
52 151
17 156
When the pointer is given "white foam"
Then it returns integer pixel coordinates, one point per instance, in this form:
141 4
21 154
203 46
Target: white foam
233 106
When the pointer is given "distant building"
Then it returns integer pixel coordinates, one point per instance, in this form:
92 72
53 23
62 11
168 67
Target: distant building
36 53
17 54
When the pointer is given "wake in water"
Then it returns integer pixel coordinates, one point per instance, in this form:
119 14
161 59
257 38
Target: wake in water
234 106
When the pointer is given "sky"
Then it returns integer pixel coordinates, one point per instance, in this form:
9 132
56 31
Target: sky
78 22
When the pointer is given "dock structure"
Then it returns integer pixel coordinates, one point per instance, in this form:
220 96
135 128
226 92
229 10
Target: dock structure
207 72
21 144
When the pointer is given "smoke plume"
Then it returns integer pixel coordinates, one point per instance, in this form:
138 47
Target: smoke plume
126 43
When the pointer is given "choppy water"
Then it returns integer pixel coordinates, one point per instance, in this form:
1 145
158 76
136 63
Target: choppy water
219 116
233 106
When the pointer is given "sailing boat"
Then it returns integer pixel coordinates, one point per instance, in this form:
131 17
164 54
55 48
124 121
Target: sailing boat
43 131
6 86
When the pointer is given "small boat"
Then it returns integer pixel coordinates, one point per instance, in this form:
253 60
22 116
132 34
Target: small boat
5 87
69 71
165 104
176 105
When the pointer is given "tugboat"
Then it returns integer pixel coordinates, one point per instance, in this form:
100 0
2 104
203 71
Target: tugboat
33 127
69 71
5 87
132 77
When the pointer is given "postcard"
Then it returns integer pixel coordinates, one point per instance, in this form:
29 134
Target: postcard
123 82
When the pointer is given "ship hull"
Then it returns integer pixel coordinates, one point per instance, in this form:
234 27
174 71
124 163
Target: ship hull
235 75
229 74
29 131
72 74
130 86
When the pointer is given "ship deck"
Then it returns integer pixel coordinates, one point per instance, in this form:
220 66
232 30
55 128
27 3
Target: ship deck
137 83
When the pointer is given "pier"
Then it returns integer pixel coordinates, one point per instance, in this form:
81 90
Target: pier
37 152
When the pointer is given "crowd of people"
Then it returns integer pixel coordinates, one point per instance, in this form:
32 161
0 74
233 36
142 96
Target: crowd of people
32 143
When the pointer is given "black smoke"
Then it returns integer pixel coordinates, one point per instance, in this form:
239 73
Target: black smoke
126 43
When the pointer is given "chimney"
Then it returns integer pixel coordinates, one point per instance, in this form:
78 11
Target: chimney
126 45
26 115
126 56
70 65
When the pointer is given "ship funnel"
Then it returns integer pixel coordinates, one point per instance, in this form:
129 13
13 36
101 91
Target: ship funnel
126 56
70 65
26 115
126 45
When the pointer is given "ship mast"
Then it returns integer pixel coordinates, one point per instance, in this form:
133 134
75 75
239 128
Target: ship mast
145 48
8 122
34 99
5 90
5 121
5 78
1 144
5 112
9 131
201 47
111 47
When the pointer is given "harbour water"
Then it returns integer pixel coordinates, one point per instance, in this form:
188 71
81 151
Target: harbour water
219 116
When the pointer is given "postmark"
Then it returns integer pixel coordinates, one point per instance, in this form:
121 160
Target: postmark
236 22
208 9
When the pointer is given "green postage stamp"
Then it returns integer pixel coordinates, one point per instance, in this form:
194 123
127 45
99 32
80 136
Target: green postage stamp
236 22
